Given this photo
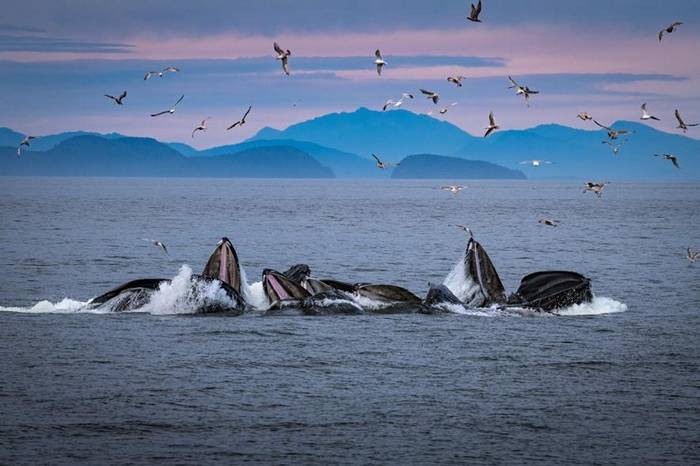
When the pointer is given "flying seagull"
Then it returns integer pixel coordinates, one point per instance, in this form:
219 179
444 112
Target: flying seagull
584 116
692 255
396 103
615 147
492 125
549 222
456 80
612 133
454 189
522 90
201 127
474 13
596 188
443 110
466 229
169 69
669 29
681 124
535 163
645 114
434 96
117 100
379 61
240 122
671 157
172 109
382 165
282 55
157 243
25 142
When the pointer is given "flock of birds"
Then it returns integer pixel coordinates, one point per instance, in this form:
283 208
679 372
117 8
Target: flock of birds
616 137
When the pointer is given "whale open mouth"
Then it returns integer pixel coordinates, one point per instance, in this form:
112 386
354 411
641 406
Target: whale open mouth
280 287
223 265
478 265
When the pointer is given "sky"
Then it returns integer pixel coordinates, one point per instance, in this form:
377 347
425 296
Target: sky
58 58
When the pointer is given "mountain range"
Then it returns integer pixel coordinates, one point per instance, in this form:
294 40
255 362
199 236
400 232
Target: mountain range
341 144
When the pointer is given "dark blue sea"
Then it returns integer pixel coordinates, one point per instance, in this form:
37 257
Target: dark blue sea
616 381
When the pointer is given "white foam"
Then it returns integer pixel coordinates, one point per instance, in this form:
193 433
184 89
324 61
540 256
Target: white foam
184 296
65 306
463 310
599 305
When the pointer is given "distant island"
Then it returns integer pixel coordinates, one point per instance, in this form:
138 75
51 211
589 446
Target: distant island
97 156
427 166
341 145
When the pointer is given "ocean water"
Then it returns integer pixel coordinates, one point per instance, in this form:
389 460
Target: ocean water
614 381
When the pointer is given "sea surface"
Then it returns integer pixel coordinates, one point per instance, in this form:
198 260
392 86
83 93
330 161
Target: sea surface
616 381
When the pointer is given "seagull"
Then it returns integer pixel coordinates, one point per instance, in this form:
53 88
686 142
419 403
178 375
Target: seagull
382 165
443 110
596 188
157 243
201 127
549 222
117 100
669 29
25 142
584 116
456 80
492 125
169 69
615 147
454 189
282 55
522 90
172 109
466 229
379 61
681 124
240 122
645 114
612 133
434 96
535 163
671 157
396 103
475 12
692 255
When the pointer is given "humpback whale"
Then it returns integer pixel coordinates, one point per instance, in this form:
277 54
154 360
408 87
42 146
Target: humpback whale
222 268
473 283
477 284
440 300
295 288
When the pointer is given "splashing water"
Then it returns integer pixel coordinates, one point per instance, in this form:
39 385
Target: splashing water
181 296
185 296
599 305
463 286
253 294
